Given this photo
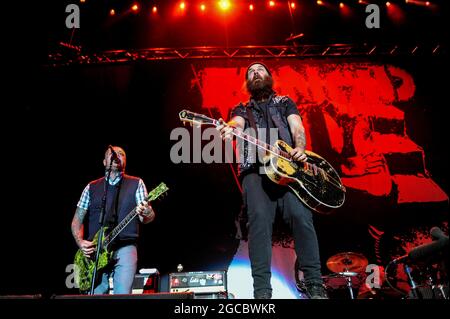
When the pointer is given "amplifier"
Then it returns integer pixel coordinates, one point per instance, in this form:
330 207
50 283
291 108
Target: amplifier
198 282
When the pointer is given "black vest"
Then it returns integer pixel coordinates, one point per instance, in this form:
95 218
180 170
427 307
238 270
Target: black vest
277 119
120 200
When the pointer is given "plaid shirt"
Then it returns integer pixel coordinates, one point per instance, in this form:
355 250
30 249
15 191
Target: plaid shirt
141 192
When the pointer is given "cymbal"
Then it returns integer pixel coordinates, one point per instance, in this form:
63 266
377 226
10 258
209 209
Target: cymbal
347 262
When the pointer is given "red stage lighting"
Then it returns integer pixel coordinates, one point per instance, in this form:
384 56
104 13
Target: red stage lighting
182 5
154 9
341 5
427 3
135 7
292 5
112 12
271 3
388 4
202 7
319 2
250 7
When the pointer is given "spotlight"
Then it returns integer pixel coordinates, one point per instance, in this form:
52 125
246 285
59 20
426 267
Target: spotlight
271 3
112 12
154 9
292 5
319 2
202 7
135 7
250 7
182 5
224 5
341 5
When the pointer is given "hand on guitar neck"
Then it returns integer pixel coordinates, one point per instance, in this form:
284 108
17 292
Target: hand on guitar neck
226 129
145 212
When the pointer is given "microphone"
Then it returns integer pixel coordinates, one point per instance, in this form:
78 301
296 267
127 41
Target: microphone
114 156
437 233
426 250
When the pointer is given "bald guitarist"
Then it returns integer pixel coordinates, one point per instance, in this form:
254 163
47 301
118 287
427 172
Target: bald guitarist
123 195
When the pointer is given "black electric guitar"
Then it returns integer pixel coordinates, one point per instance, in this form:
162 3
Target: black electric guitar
315 182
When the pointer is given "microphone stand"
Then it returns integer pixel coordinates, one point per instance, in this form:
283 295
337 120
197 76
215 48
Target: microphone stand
102 227
412 284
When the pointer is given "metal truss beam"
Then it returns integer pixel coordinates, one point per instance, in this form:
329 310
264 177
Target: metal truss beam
69 57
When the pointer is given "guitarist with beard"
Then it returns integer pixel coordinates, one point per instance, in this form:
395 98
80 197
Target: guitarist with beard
262 198
124 194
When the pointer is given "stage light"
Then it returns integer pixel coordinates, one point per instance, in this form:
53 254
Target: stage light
202 7
319 2
224 5
388 4
250 7
271 3
341 5
182 5
135 7
418 2
154 9
112 12
292 5
82 1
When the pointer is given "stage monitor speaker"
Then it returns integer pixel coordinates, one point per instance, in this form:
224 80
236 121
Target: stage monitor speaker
159 295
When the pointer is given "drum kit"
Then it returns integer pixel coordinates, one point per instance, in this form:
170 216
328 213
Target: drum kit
347 268
349 274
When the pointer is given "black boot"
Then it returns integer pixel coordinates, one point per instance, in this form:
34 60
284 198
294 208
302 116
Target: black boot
316 291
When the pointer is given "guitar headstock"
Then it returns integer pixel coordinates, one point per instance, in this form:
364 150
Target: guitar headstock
159 190
195 118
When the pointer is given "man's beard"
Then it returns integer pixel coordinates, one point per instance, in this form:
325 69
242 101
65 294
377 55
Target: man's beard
260 89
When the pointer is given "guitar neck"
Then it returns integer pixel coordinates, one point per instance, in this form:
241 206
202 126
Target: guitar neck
257 142
116 231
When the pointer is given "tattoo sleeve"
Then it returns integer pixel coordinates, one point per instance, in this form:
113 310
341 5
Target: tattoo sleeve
77 224
300 139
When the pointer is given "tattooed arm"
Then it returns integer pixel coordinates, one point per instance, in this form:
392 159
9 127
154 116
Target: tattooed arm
298 135
78 231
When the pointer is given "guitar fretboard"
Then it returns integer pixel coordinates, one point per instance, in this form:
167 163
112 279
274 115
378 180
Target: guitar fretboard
116 231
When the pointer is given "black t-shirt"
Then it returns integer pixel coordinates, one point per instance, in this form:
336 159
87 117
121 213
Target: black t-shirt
287 105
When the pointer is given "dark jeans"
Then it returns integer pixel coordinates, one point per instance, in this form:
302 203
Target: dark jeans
262 199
